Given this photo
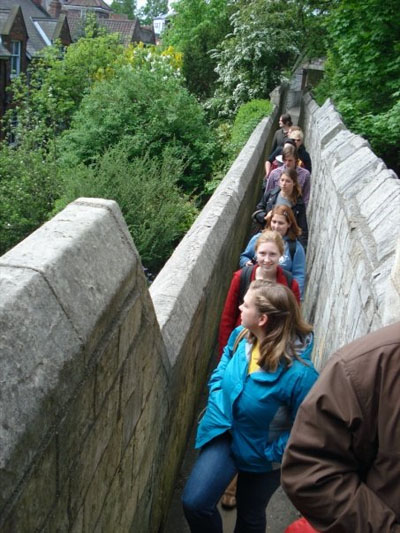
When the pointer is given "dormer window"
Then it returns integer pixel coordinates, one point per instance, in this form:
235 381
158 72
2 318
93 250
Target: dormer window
16 47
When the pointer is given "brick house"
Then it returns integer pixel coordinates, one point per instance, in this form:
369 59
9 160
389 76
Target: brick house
25 29
28 26
130 31
13 47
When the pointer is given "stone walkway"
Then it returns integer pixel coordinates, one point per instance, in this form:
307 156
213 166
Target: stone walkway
280 512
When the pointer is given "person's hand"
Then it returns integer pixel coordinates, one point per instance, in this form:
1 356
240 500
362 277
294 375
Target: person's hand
267 218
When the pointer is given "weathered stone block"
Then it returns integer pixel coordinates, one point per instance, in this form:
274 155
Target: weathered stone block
37 496
106 369
130 326
102 480
120 503
58 520
92 449
38 345
75 426
86 276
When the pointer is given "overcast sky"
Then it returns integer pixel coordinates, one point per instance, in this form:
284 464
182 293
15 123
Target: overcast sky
139 3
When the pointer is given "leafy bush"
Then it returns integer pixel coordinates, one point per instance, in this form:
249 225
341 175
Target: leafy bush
247 118
362 73
151 112
233 138
28 187
145 187
57 83
196 28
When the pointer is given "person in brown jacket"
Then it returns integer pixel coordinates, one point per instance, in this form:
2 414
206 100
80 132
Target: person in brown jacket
341 467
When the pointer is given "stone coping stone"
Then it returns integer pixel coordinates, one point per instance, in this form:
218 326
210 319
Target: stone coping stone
179 288
58 287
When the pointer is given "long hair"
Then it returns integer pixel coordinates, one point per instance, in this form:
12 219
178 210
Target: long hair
283 326
271 236
291 173
283 210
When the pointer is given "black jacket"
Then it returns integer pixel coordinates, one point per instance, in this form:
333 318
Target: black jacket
268 202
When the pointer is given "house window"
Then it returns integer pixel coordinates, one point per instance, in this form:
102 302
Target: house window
15 58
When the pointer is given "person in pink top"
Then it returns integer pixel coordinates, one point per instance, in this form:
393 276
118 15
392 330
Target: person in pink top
289 157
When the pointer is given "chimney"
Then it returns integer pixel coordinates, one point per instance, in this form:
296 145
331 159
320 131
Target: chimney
54 8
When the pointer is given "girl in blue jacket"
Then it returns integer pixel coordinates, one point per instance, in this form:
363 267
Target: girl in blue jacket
282 220
262 378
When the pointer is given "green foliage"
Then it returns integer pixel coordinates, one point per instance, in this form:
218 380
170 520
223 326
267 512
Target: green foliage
136 132
197 28
233 138
28 187
151 10
58 82
363 70
313 19
124 7
155 210
265 39
151 112
247 118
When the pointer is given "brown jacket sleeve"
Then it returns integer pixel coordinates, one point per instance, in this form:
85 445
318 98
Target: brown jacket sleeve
321 472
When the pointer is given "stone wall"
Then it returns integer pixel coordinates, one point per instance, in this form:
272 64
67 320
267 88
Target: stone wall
354 222
99 380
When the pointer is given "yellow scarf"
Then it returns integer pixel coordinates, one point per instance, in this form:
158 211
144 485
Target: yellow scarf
255 356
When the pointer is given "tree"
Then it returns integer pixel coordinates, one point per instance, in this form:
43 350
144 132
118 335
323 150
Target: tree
362 73
145 103
58 82
265 40
197 27
124 7
156 211
152 9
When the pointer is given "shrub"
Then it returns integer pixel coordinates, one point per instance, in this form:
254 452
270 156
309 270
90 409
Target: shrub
233 138
150 112
157 213
28 188
247 118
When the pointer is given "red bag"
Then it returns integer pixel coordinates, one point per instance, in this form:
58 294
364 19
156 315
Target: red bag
300 526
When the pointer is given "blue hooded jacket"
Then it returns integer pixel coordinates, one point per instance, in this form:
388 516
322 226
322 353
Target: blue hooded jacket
257 409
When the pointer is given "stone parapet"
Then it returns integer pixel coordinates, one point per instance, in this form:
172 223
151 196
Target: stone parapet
100 377
82 399
354 223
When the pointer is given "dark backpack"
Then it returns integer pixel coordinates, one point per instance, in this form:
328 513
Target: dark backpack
245 278
292 248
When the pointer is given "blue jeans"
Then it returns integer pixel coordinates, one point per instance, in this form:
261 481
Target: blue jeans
211 474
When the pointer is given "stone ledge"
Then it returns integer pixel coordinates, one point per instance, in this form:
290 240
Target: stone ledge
351 263
179 288
60 288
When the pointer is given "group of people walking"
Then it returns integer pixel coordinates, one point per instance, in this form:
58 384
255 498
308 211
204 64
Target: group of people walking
265 368
336 447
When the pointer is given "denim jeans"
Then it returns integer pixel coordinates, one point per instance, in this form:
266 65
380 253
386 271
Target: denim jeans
211 474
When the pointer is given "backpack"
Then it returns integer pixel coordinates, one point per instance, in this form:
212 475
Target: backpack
292 248
245 278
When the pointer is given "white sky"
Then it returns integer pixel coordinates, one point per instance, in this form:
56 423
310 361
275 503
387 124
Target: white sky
139 3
